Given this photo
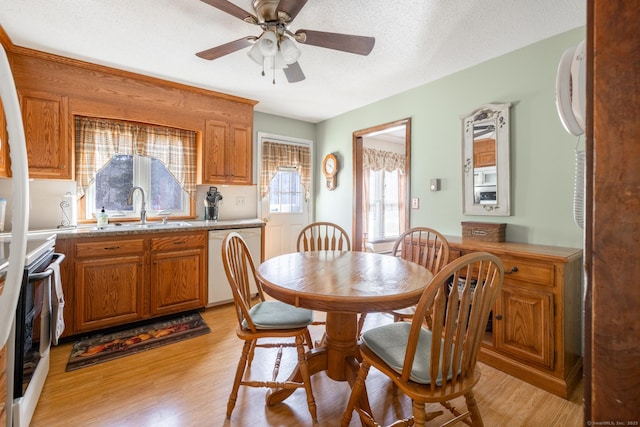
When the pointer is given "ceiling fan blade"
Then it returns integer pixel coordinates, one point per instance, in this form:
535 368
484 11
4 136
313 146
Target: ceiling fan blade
291 7
232 9
360 45
294 73
225 49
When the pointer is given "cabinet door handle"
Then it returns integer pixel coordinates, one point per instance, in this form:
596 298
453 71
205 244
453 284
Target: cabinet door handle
514 269
498 316
182 242
111 248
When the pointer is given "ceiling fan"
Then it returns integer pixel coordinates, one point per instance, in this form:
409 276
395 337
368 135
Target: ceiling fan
275 47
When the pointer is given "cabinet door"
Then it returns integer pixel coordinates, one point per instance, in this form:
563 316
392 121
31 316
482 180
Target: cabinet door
227 154
177 281
524 324
5 166
46 133
214 156
240 155
108 291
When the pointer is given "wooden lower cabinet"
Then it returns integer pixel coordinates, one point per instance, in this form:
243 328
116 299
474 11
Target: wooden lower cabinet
115 280
535 331
178 265
109 291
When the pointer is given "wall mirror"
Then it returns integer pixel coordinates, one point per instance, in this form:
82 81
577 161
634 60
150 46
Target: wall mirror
381 171
486 161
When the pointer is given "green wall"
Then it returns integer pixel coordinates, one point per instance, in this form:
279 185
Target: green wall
542 152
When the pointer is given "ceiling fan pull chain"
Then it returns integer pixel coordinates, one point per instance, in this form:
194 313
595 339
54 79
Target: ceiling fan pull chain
273 61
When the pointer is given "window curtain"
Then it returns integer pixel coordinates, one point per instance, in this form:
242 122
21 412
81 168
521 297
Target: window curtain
98 140
276 155
374 160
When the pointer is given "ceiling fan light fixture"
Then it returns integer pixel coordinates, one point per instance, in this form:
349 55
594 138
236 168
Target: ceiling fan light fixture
268 43
290 51
255 54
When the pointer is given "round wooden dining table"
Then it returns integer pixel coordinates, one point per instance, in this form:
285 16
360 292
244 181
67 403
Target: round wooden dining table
342 284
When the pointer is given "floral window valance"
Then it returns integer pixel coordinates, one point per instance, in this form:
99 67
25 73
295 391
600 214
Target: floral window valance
376 160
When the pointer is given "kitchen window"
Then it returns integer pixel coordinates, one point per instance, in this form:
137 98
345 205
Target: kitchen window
114 156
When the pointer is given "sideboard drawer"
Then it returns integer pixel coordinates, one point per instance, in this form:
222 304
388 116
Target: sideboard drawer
527 271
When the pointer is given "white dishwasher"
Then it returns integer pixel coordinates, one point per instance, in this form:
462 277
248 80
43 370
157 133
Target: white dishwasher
219 290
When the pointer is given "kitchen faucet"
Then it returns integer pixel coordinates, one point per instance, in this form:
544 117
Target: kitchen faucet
143 210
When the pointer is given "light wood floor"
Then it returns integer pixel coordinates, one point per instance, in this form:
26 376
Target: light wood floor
188 383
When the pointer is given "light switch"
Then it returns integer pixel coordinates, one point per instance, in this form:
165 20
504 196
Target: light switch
415 203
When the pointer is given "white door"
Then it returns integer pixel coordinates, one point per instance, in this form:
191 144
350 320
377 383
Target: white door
286 209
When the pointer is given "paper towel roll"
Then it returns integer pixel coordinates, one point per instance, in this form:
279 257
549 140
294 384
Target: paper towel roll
68 214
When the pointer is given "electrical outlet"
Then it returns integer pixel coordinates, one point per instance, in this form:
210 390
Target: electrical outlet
415 203
239 200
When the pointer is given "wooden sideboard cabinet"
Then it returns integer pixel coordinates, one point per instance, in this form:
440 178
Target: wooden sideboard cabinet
227 153
114 280
535 330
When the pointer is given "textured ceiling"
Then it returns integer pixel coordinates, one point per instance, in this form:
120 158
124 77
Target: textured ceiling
417 41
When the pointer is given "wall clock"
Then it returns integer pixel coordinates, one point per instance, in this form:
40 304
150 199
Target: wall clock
330 169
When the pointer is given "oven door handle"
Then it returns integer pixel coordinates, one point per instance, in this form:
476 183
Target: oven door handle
58 258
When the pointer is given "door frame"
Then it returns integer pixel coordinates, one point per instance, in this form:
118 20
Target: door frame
357 175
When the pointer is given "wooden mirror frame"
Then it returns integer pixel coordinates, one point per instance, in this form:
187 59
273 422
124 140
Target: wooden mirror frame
357 231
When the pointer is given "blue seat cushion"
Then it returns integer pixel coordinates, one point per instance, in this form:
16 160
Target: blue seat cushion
278 315
389 342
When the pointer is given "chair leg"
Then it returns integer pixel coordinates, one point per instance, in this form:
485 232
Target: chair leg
251 352
306 378
472 406
242 363
308 340
419 414
356 392
363 317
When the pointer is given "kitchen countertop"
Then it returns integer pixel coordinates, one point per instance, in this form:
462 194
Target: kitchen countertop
90 230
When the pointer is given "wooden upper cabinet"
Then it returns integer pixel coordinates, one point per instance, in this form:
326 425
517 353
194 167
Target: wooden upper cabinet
484 152
227 153
5 162
49 147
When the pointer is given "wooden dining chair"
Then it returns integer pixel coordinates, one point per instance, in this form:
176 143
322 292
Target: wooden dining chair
259 319
323 236
424 246
439 364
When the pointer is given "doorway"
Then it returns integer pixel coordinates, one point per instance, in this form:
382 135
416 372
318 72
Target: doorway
390 143
286 181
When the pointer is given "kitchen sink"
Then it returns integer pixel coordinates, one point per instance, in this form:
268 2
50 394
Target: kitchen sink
118 226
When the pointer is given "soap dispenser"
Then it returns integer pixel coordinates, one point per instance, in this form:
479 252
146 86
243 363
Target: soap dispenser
103 218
